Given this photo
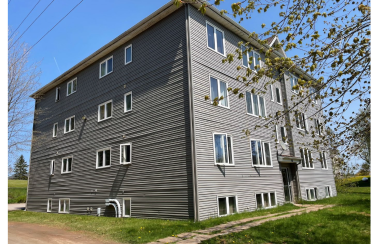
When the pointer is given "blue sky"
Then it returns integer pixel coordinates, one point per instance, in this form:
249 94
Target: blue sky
91 25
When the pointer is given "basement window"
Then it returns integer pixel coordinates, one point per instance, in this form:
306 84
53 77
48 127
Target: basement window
49 205
103 158
127 207
328 191
64 205
311 194
227 205
266 200
106 67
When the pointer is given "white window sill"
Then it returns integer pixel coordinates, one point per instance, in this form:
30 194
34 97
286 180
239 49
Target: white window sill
65 132
66 172
324 169
267 207
103 167
128 63
307 168
216 51
228 165
257 116
105 119
70 94
262 166
220 106
127 111
279 103
295 92
125 163
63 212
105 75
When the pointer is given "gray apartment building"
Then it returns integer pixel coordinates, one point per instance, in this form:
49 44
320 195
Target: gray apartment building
127 132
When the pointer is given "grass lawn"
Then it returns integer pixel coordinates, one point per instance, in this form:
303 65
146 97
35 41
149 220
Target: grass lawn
348 222
131 230
17 191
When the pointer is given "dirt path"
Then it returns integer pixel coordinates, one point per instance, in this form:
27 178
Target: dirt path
37 234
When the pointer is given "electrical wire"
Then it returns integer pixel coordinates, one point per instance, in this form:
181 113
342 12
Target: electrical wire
23 19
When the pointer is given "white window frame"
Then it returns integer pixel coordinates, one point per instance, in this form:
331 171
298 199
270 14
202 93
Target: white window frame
57 94
125 144
130 207
329 187
258 104
64 206
125 55
301 118
227 204
315 190
323 160
52 167
296 82
262 199
271 93
279 92
317 126
304 158
49 204
312 96
125 101
100 67
228 153
215 39
105 110
72 87
262 153
55 131
72 162
276 131
70 129
253 59
286 134
104 158
219 101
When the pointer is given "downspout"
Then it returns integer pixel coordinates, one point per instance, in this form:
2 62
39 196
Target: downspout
191 108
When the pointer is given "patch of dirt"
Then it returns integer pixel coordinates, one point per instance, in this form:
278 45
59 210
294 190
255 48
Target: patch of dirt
20 233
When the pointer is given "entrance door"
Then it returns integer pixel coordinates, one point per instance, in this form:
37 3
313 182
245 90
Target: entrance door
287 184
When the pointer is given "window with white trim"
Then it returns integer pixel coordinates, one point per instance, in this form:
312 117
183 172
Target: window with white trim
67 164
128 102
317 126
218 90
311 194
52 167
55 130
251 59
126 153
64 205
327 191
293 82
69 124
215 38
322 158
283 134
313 94
300 121
266 200
106 67
271 93
49 205
128 54
260 153
307 159
278 95
275 130
105 111
127 202
71 86
103 158
255 104
227 205
223 150
57 94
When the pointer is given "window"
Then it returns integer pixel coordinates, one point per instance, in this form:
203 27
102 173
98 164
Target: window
105 111
301 121
278 95
126 153
128 102
227 205
52 167
322 157
215 38
55 130
57 94
328 191
283 134
127 207
311 194
223 151
307 159
69 124
128 54
260 153
275 130
219 89
250 59
317 126
49 205
312 93
106 67
64 205
103 158
255 105
67 164
293 82
271 93
71 86
266 200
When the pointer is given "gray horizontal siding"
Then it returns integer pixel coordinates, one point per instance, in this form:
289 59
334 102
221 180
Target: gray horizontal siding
159 180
